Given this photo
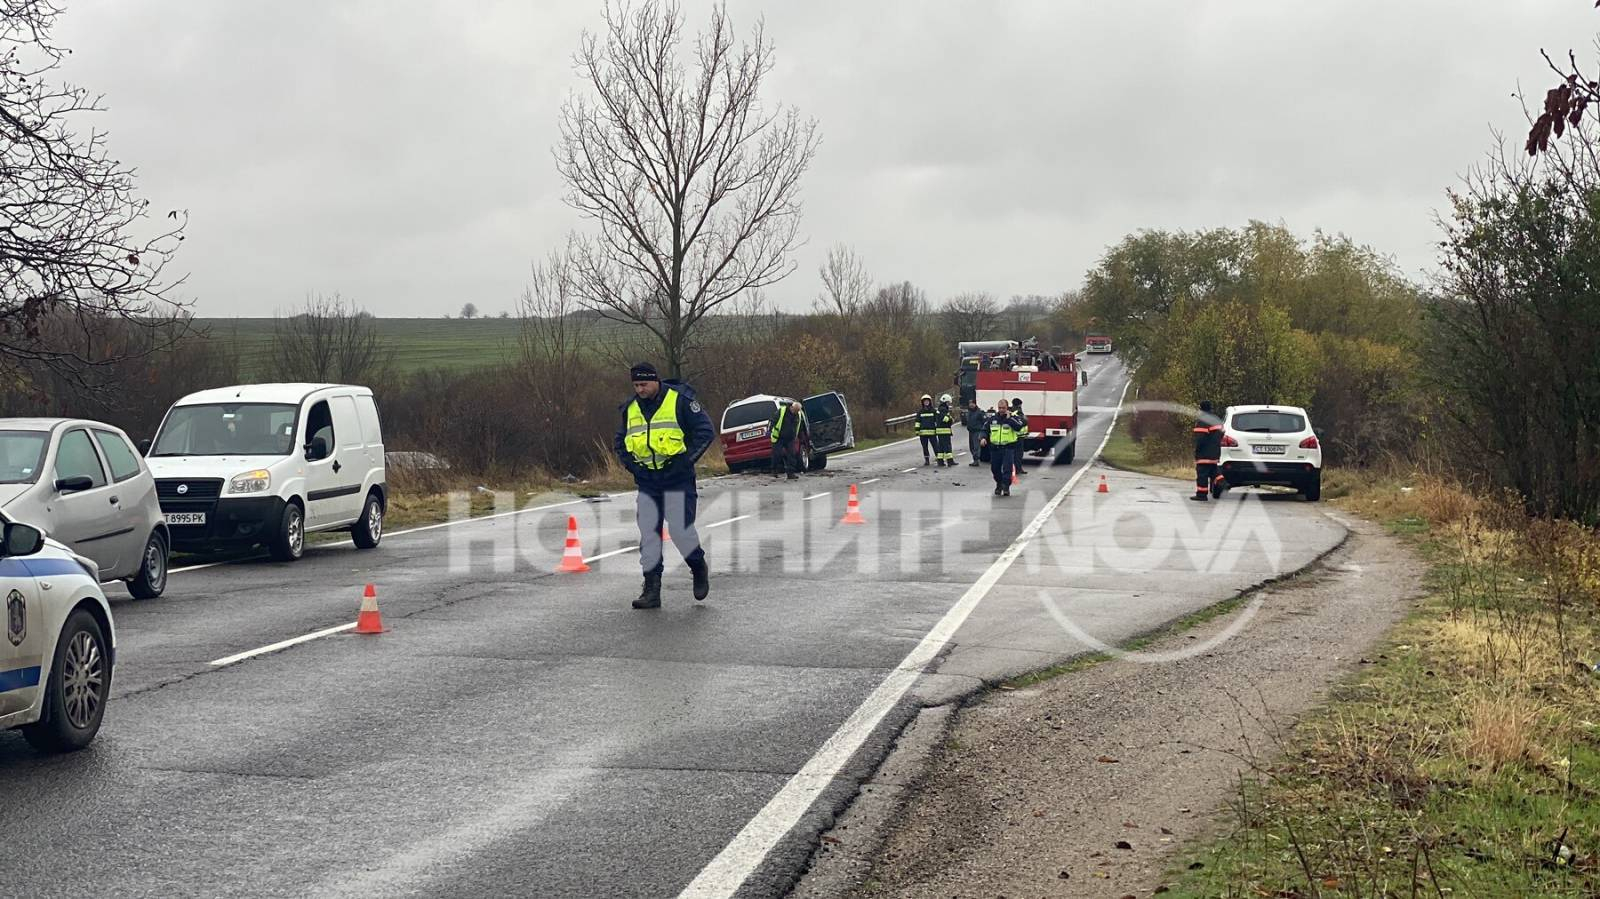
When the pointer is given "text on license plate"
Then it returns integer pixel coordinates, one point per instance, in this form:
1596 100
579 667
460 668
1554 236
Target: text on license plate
747 434
1267 448
186 518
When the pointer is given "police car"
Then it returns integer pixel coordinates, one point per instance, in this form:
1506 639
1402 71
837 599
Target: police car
58 649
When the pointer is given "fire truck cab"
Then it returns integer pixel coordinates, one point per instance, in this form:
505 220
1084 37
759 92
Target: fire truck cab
1047 384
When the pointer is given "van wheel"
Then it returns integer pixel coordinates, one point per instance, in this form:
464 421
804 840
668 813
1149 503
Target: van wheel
152 577
1068 454
369 530
75 696
819 461
1313 488
290 542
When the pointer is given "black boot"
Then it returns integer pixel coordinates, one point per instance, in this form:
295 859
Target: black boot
997 490
650 596
702 578
1200 498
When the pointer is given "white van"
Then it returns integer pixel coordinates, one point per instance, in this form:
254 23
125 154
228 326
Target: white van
266 464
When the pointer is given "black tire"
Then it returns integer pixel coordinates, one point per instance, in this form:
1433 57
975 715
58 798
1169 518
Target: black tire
289 543
736 467
1218 488
151 579
1312 490
819 461
74 702
368 529
1067 455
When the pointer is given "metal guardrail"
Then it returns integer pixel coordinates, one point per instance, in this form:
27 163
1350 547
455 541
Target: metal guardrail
898 420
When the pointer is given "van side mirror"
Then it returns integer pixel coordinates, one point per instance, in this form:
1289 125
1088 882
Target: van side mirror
144 447
74 484
21 539
316 449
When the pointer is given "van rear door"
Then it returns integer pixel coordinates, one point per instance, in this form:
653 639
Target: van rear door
829 420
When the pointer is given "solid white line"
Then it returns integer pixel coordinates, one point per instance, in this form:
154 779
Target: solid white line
607 555
816 496
726 521
869 481
907 470
740 858
871 448
282 644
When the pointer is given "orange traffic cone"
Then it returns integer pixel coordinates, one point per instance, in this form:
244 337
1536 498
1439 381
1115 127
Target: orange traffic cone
572 556
852 509
1102 488
1013 476
368 621
665 537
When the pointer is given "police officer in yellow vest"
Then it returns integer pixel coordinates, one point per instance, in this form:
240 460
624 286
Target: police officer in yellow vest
1002 444
663 433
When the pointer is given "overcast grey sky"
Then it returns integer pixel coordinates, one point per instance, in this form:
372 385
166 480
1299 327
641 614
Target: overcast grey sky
398 151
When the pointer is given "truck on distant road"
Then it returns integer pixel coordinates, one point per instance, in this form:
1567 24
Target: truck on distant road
1097 343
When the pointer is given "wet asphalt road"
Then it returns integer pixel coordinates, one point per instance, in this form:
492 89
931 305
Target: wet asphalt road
518 732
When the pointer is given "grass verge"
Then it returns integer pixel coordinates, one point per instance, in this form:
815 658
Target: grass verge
1465 760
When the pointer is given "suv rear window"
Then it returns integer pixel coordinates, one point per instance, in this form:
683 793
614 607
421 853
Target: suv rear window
1269 422
748 414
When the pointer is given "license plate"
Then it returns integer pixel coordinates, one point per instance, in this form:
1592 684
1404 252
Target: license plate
746 435
186 518
1269 449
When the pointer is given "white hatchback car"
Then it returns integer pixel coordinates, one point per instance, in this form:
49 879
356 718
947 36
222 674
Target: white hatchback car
1273 445
57 655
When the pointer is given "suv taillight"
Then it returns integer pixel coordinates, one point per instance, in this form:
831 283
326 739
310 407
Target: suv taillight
1227 440
1309 442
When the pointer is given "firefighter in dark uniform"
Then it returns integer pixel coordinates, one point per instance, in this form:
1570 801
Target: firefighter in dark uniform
1207 452
663 433
944 429
1001 441
927 427
788 429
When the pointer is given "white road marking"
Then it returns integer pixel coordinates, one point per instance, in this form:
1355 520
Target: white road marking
744 854
871 448
607 555
725 521
869 481
816 496
281 644
907 470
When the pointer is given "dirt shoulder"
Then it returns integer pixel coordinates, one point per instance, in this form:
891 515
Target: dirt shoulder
1085 785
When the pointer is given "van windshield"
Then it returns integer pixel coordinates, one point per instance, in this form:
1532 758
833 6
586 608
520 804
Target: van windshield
227 429
21 455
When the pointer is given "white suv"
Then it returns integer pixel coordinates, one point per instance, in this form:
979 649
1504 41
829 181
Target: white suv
266 464
1270 445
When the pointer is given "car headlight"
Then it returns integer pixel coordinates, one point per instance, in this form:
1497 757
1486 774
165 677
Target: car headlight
258 481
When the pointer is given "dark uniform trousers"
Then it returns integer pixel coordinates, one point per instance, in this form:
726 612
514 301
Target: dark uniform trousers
1000 462
676 506
786 456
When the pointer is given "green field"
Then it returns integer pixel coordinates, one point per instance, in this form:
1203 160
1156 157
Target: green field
421 344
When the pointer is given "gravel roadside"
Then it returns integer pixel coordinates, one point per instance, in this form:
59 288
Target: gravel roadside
1085 785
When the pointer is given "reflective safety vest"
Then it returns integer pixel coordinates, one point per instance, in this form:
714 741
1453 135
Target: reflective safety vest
1000 433
656 442
942 425
1021 426
777 425
927 422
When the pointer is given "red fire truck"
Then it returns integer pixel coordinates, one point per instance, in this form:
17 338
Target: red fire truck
1047 384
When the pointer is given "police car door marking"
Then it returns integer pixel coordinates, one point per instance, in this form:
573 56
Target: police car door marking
16 618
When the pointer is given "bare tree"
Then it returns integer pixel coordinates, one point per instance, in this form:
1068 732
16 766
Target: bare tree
1022 315
329 341
68 211
970 316
897 308
693 181
469 311
547 338
846 286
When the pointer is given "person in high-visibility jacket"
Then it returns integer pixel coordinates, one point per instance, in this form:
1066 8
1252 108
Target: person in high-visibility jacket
1207 452
1002 442
943 430
787 430
1020 423
927 427
663 433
